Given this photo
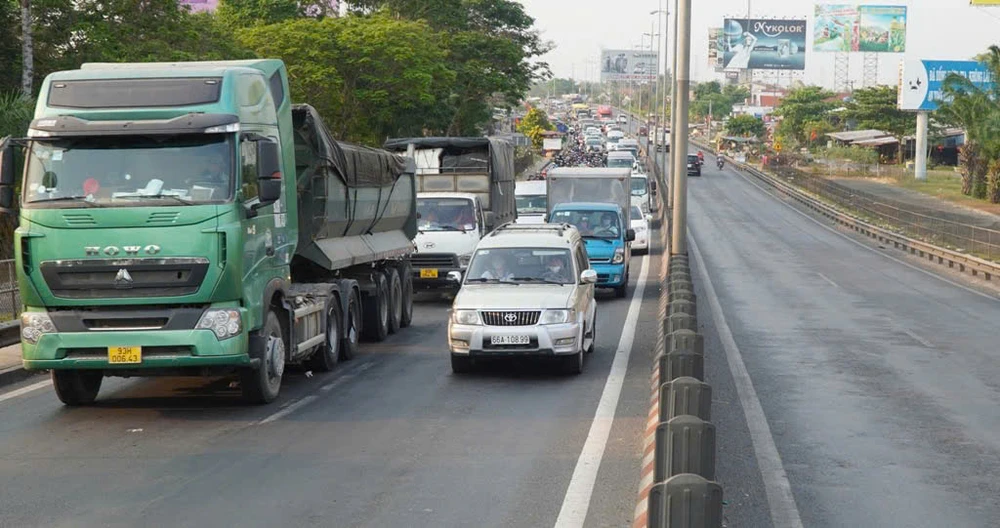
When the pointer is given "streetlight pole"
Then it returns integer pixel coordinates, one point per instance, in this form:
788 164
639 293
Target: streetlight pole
661 87
678 239
674 133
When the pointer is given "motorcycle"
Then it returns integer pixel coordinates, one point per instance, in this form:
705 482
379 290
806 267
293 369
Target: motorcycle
719 162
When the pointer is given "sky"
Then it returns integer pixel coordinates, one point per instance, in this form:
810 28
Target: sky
936 29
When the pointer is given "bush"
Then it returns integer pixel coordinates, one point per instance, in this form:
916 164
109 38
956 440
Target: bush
855 154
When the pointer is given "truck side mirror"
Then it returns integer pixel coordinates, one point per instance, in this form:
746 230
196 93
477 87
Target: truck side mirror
652 184
7 153
629 235
489 219
6 198
268 160
269 191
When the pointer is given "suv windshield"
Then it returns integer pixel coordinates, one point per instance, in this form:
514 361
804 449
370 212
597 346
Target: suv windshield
531 203
124 170
445 214
592 224
692 158
522 266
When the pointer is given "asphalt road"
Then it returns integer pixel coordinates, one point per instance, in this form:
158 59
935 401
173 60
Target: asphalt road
878 382
390 439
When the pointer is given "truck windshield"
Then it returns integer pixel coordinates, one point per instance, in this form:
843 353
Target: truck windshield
621 162
592 224
445 214
124 170
639 186
532 203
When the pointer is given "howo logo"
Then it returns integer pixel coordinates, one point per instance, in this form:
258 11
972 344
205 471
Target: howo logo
114 251
772 29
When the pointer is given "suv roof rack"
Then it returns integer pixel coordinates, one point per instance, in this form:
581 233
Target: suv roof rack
559 229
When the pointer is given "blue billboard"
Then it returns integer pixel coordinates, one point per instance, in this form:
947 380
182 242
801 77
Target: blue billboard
921 81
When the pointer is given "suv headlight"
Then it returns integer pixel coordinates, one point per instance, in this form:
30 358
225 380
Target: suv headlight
463 261
465 317
34 324
224 323
619 256
557 317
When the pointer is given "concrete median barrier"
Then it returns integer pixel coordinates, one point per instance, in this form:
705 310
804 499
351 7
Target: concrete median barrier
680 364
685 444
681 295
685 395
680 321
685 501
681 306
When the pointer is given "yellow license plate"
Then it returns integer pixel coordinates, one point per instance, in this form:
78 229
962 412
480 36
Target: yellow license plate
428 274
124 355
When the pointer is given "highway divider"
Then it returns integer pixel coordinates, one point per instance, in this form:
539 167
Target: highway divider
677 482
974 266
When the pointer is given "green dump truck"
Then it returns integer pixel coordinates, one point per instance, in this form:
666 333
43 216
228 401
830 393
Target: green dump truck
185 219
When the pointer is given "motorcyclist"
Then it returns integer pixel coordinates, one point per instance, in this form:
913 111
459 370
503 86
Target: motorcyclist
701 157
720 161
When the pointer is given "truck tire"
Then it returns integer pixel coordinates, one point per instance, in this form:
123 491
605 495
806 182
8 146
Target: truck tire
262 384
352 332
406 275
395 300
77 387
376 325
326 358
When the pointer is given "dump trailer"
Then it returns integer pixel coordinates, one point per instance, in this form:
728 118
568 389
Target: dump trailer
187 219
465 189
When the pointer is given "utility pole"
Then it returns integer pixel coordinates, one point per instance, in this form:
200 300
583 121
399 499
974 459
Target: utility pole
674 133
661 87
663 106
682 83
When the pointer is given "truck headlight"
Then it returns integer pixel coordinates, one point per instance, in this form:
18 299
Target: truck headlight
224 323
34 324
463 261
619 256
550 317
465 317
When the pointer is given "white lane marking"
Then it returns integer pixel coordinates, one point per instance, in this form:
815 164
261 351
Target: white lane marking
24 390
917 338
289 409
861 245
784 512
827 279
333 384
581 485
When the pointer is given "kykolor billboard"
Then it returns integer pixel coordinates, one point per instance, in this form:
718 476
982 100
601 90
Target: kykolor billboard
628 65
758 44
866 28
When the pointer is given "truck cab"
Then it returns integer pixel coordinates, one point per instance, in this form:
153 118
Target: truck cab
449 225
531 201
607 235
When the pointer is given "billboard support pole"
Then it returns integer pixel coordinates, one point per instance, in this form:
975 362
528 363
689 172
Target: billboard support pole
678 238
920 169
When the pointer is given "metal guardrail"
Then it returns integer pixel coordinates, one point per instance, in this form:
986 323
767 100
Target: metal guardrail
934 253
10 304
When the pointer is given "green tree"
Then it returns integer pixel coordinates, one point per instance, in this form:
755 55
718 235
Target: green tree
702 90
533 125
876 108
745 126
802 106
371 78
10 46
977 111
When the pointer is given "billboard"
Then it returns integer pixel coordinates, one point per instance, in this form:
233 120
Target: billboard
629 65
714 45
759 44
985 2
864 28
920 81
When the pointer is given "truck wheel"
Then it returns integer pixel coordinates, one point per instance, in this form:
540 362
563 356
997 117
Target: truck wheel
326 358
262 384
395 300
376 310
461 364
352 333
77 387
621 290
406 274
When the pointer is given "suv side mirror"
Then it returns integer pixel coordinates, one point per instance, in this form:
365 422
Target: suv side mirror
629 235
455 276
588 276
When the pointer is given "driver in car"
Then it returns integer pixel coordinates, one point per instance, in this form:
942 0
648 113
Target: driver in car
607 225
556 270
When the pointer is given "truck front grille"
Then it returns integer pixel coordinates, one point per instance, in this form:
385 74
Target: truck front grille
98 353
510 318
124 278
434 260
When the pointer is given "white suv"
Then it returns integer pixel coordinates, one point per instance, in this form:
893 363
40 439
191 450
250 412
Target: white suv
529 291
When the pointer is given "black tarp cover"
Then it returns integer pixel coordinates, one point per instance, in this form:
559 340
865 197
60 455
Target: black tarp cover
357 166
501 151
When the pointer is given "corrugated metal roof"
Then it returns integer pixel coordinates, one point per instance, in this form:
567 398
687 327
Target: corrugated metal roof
855 135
